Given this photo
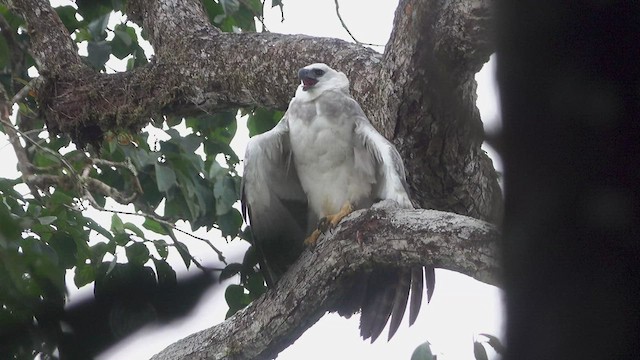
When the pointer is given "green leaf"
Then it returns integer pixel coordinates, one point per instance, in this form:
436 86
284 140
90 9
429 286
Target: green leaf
229 6
99 229
99 250
68 16
225 194
162 248
45 159
261 120
84 275
46 220
184 253
230 270
236 298
99 52
250 258
9 228
154 226
165 177
122 239
66 249
173 120
230 223
92 9
133 228
255 6
217 171
137 253
479 352
111 267
213 10
495 343
117 227
98 26
139 57
166 274
234 294
423 352
256 285
125 41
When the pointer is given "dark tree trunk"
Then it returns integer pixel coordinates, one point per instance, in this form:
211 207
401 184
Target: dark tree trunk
570 86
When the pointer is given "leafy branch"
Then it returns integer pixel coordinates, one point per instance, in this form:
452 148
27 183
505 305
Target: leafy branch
86 184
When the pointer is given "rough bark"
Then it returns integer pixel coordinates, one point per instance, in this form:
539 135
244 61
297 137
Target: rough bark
430 61
365 239
420 93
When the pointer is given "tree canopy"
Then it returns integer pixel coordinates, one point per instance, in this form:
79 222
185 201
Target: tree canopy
78 131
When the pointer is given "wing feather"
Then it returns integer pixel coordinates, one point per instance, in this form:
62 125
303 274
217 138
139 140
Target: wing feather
273 201
375 153
390 174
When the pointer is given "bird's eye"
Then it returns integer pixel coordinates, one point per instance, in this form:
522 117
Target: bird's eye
318 72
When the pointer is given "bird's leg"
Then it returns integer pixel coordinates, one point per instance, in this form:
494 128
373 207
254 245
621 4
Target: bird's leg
313 238
331 221
328 222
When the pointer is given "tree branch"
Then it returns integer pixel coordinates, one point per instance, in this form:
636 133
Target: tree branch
428 106
51 45
346 28
315 282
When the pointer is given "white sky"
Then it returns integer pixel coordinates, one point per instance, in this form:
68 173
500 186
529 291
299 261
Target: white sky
461 307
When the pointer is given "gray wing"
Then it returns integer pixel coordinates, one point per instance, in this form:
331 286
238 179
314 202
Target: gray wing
388 289
273 201
383 156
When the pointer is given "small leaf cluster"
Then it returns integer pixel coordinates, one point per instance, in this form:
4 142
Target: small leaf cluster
480 351
424 351
92 29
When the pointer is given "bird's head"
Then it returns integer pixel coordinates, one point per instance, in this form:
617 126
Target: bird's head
321 77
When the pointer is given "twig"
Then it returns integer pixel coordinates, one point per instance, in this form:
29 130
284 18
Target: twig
24 165
25 89
87 196
176 243
93 203
36 144
9 35
344 25
126 165
260 17
86 182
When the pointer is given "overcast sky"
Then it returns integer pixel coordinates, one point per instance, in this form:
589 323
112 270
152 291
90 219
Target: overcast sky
461 307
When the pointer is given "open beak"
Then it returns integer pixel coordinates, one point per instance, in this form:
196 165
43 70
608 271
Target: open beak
308 82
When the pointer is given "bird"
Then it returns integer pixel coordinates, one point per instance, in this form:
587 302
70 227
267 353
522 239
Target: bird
323 160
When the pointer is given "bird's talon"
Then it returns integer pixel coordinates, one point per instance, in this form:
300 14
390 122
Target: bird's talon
313 238
324 224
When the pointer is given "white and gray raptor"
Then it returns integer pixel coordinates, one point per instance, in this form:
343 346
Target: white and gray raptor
323 160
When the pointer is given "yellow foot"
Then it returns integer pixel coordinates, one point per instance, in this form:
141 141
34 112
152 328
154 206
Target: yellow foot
331 221
313 238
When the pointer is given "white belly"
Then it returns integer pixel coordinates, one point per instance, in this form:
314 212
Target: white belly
323 155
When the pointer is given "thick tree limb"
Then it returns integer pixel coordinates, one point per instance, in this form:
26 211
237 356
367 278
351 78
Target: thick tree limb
315 281
50 42
429 108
